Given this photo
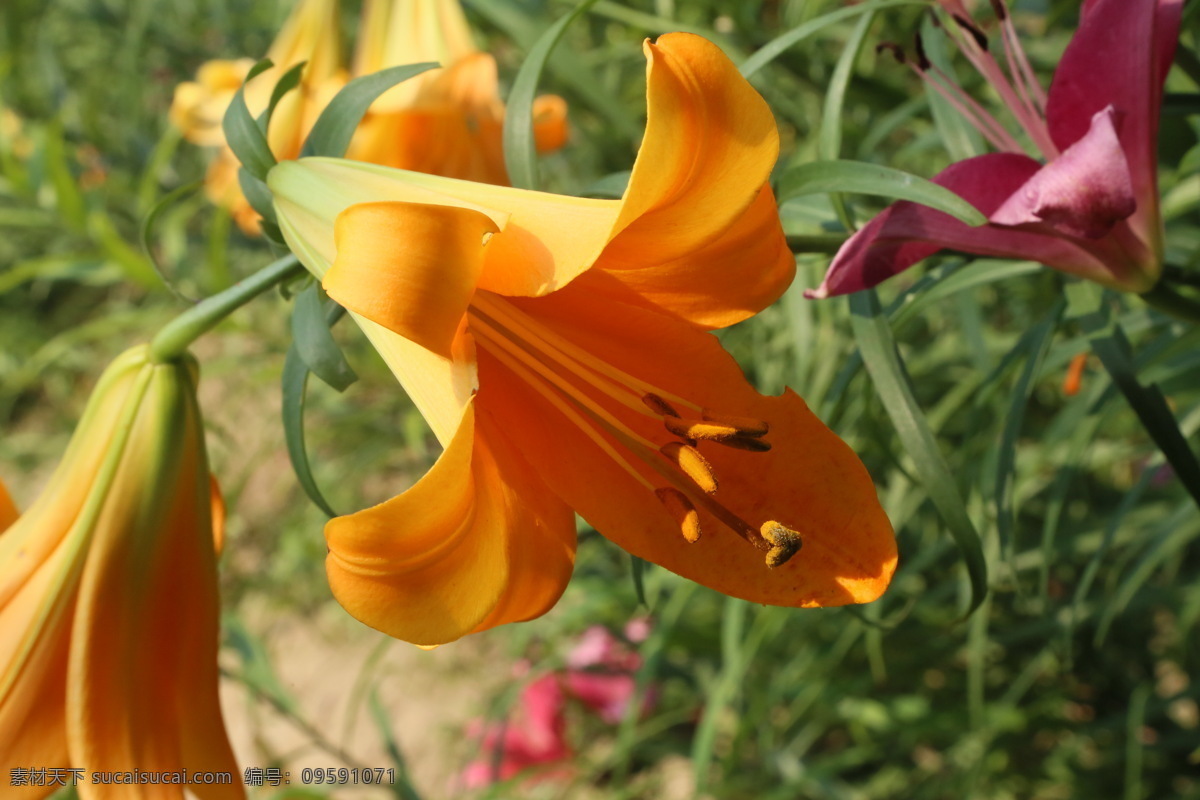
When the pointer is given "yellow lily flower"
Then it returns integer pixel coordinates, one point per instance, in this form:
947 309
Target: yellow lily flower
558 348
108 601
444 122
310 34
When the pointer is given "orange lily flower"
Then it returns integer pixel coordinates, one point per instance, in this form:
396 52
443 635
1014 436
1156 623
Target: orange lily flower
108 601
445 122
559 349
310 34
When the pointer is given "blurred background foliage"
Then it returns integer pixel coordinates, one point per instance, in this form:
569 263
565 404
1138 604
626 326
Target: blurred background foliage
1073 679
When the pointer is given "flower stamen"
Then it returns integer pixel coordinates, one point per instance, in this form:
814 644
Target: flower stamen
693 464
563 374
682 510
784 541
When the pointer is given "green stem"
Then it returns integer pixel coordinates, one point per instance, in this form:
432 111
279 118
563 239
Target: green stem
1164 298
828 243
175 337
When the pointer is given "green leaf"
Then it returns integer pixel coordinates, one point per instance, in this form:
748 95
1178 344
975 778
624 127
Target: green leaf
861 178
785 41
246 139
314 341
295 385
891 382
520 151
829 139
1087 303
147 232
1037 343
524 26
335 127
289 81
257 195
637 569
403 787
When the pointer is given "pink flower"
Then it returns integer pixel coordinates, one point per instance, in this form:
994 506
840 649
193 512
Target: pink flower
1091 207
533 737
599 675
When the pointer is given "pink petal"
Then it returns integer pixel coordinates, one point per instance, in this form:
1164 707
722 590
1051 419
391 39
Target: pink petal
1120 56
606 694
1083 192
907 232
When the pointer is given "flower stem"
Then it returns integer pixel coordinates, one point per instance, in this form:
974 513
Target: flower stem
175 337
1166 299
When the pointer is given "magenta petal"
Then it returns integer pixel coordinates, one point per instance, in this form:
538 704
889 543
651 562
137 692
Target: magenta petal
1120 57
907 232
1083 192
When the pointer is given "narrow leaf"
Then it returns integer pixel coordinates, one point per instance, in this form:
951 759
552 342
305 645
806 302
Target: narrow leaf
295 385
314 342
891 382
520 151
1037 343
861 178
147 233
334 129
785 41
245 138
1111 345
289 81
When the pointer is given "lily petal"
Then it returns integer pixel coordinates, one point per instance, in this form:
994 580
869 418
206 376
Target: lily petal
8 509
546 241
907 232
709 147
391 267
810 480
1084 192
149 585
1120 57
468 547
730 279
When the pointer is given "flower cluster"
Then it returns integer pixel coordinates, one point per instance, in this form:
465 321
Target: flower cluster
445 122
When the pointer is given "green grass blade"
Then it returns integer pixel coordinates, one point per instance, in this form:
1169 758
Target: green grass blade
1037 344
861 178
520 150
891 382
1111 345
785 41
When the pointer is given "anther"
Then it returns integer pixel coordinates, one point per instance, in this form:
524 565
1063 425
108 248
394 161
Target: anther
1000 10
694 465
919 46
658 405
747 443
746 426
697 429
722 430
896 50
682 510
976 34
784 542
